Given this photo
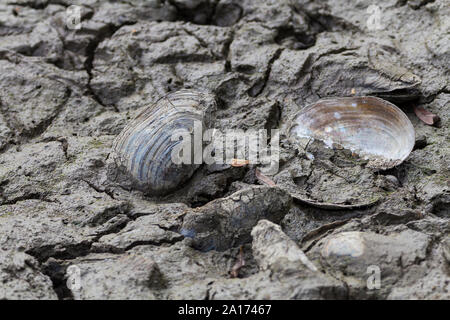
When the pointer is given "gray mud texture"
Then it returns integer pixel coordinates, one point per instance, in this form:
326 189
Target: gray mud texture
328 227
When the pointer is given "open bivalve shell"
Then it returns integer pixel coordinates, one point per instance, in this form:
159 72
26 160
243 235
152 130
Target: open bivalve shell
373 128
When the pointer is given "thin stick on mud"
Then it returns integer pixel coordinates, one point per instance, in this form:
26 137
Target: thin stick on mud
234 273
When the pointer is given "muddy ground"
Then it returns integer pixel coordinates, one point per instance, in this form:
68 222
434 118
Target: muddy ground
68 231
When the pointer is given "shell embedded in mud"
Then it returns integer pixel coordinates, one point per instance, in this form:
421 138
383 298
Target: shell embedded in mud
350 243
371 127
144 148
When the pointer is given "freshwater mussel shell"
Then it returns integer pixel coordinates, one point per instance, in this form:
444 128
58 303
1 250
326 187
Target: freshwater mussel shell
373 128
143 149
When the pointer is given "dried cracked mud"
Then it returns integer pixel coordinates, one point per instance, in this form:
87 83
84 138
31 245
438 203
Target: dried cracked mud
67 231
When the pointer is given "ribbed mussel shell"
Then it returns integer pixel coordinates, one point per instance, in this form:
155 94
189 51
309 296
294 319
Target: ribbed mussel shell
143 149
371 127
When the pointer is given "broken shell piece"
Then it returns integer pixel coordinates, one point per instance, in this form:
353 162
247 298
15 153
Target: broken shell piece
334 206
344 244
239 162
371 127
426 116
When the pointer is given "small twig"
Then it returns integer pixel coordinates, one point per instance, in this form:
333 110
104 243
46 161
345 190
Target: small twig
264 179
307 144
239 263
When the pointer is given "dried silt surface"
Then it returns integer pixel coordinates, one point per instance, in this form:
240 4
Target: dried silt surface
326 226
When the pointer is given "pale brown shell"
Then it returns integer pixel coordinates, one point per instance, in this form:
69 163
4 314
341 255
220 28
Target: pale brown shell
373 128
